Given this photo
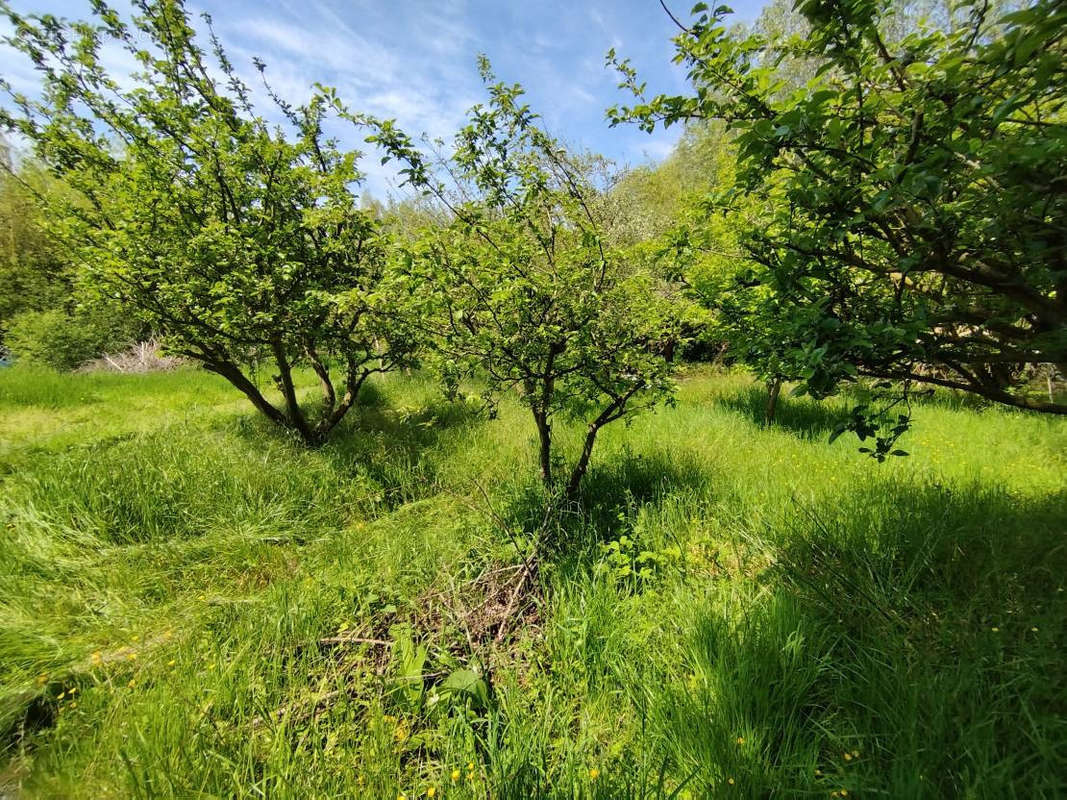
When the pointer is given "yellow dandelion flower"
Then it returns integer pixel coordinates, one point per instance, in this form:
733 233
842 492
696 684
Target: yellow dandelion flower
844 792
470 776
995 629
401 797
172 662
730 781
1034 629
135 638
848 756
74 704
132 656
97 657
455 775
132 683
594 773
740 739
431 791
470 765
855 753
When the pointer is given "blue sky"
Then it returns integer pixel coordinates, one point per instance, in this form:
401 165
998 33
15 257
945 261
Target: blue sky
414 60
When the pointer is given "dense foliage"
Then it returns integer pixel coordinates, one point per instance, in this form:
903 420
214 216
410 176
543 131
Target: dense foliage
229 236
34 274
62 340
45 316
912 194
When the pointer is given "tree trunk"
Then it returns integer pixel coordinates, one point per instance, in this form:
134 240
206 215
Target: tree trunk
774 388
284 379
329 396
544 435
583 463
613 412
353 382
237 378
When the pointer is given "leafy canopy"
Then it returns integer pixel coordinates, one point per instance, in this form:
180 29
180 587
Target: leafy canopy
526 290
912 193
232 238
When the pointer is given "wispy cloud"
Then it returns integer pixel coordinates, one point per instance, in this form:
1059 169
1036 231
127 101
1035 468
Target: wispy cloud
415 60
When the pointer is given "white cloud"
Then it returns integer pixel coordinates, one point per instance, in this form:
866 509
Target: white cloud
414 60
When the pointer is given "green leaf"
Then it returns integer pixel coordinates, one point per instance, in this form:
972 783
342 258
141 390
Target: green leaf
469 684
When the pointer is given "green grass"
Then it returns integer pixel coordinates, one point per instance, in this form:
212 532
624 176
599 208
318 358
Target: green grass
731 611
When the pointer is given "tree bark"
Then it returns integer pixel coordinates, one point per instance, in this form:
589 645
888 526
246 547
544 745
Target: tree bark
583 462
284 379
237 378
329 396
613 412
774 388
353 383
544 435
990 393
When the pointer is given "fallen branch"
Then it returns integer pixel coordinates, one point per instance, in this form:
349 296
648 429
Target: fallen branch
519 584
354 640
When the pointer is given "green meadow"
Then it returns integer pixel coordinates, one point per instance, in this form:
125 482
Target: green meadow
194 606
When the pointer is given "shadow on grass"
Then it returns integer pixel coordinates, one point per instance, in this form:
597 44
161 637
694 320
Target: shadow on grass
613 494
919 629
394 446
805 418
895 552
952 400
388 444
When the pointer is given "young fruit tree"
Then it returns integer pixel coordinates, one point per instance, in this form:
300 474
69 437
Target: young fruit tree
238 241
526 292
916 206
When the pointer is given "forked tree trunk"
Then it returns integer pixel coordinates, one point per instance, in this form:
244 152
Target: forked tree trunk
292 418
233 374
329 396
354 381
614 411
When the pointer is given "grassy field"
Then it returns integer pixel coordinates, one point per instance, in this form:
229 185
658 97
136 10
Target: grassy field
192 606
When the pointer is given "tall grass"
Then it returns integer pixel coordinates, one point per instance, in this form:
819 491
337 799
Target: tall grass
735 610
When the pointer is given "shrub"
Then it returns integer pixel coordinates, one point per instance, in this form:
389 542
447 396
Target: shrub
63 341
